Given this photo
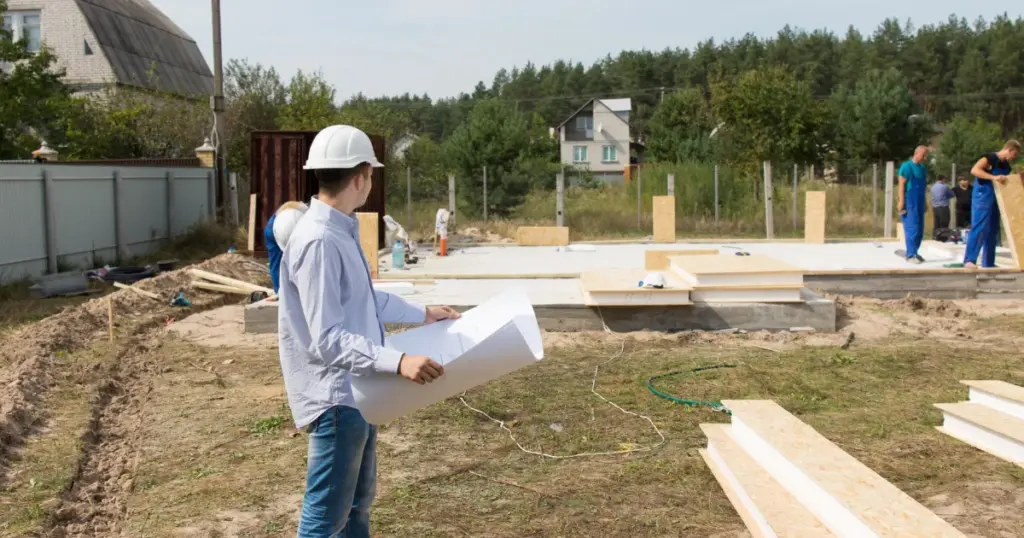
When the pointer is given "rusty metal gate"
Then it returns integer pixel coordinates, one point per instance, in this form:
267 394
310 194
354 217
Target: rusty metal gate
278 177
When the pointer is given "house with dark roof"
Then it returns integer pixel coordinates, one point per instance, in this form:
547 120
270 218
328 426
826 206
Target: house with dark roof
596 138
113 42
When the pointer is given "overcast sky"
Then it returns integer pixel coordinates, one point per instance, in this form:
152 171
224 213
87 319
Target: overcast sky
442 47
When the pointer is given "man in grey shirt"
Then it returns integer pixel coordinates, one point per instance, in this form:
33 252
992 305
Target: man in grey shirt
331 326
941 195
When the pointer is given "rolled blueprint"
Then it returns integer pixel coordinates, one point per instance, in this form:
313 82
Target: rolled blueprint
497 337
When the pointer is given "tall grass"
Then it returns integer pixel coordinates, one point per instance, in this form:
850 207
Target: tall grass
610 211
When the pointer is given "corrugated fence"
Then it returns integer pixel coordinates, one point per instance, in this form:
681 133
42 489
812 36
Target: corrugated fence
61 216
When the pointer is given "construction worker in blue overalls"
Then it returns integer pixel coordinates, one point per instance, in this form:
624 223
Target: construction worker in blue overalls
913 184
275 234
985 218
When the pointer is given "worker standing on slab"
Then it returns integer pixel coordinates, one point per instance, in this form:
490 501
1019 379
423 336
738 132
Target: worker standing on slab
276 233
963 192
985 218
941 195
912 186
331 326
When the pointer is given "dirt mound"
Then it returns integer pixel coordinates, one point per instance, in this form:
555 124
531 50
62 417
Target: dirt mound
906 305
35 349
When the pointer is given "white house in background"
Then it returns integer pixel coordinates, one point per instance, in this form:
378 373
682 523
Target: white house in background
402 144
596 137
113 42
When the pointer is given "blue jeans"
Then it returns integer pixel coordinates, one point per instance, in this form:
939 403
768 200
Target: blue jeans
342 476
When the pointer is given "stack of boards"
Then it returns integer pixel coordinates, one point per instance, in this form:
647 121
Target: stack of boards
785 479
992 420
692 279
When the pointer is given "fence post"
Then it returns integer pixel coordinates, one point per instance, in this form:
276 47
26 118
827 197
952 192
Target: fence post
639 199
233 190
671 184
560 199
890 177
408 197
211 193
119 232
796 192
874 198
716 196
170 205
485 194
451 200
769 218
50 218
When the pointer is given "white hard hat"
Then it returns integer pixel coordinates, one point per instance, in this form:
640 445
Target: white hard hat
654 280
341 146
285 222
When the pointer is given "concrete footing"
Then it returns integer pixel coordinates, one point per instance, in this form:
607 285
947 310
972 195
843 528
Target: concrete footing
965 285
815 312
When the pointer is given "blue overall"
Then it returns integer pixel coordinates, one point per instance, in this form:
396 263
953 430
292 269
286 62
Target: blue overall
913 222
274 252
985 221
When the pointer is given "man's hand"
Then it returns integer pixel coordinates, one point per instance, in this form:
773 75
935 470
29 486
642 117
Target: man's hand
1000 179
438 313
901 208
419 369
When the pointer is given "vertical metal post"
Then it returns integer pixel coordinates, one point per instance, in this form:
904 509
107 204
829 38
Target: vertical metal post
953 181
716 196
671 184
485 194
217 103
211 198
952 175
874 198
408 197
639 198
119 221
560 199
170 204
890 177
451 200
796 194
769 218
233 192
50 218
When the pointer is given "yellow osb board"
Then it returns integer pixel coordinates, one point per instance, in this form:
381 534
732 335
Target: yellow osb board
814 217
368 232
753 264
901 236
657 260
542 236
1010 197
664 219
627 280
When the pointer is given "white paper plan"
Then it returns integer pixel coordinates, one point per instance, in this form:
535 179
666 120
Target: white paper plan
487 342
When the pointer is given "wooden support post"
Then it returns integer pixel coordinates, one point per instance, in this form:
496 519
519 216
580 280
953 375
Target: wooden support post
769 220
233 193
796 191
485 194
716 196
110 316
1010 197
664 219
639 199
815 215
890 178
560 199
252 223
368 230
874 198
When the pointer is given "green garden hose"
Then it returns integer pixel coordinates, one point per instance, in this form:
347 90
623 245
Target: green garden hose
717 406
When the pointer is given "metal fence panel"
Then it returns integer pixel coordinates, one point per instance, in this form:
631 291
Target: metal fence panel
22 222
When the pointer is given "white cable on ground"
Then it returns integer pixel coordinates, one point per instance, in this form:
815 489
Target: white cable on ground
593 389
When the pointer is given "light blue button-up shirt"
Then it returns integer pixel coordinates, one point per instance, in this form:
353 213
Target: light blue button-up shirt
330 319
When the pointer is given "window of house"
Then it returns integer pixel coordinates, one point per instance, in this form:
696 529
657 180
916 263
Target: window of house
25 25
579 154
610 154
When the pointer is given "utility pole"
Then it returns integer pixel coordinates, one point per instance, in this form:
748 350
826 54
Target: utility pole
662 94
217 103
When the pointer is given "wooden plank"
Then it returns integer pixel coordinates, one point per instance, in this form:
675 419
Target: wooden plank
780 510
219 288
998 388
664 219
542 236
252 222
852 486
235 283
368 238
657 260
815 212
901 236
137 291
623 280
1005 425
1010 197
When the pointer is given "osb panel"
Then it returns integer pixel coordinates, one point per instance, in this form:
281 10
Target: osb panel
368 240
901 236
542 236
657 260
814 217
753 264
627 280
1010 196
664 219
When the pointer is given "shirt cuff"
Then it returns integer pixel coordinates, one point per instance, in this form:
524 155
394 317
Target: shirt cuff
387 361
418 312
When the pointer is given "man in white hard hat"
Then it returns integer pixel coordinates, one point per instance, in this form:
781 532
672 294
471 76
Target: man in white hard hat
331 326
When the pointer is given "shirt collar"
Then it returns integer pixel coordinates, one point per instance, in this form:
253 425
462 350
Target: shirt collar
346 222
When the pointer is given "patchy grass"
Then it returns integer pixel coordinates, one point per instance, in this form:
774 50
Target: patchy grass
29 490
226 461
